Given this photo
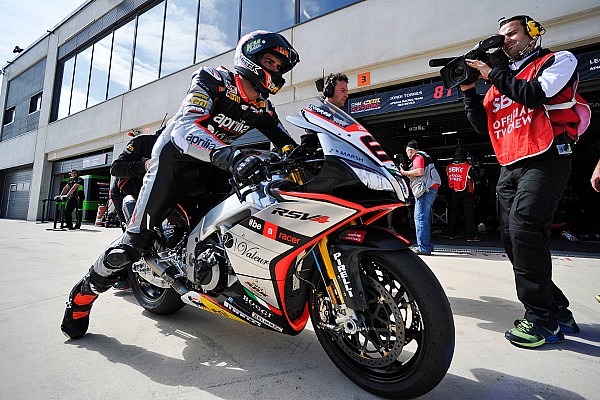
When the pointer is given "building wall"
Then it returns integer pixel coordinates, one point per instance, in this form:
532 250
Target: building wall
391 39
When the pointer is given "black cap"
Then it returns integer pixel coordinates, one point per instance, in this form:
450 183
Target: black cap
413 144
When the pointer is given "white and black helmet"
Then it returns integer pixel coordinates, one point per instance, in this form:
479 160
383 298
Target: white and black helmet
247 55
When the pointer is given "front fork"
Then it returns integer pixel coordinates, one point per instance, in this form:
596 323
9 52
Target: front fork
346 318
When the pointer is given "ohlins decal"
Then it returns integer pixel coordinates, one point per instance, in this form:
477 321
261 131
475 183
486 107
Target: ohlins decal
343 274
300 215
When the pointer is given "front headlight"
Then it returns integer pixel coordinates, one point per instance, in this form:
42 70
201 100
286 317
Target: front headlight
404 192
370 177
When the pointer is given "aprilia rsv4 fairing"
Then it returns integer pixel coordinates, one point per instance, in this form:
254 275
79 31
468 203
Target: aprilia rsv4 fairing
299 242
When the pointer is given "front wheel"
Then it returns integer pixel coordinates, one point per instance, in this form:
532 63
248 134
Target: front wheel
407 343
154 299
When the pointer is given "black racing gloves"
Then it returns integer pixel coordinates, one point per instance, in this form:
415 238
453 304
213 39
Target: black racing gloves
244 166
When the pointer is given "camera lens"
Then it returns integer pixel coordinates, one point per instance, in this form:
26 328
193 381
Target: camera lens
457 73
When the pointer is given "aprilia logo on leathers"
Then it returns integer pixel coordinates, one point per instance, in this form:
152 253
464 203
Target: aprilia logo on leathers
230 124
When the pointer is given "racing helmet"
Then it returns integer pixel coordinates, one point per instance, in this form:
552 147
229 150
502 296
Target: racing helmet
250 49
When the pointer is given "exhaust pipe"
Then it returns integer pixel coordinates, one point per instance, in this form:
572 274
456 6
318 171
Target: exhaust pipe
167 273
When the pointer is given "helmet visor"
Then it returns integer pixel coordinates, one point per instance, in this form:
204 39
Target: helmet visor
275 44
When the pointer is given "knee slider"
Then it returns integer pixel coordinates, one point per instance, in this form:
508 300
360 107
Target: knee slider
120 257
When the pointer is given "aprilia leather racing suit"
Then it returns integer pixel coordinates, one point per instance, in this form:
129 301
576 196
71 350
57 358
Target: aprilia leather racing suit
214 113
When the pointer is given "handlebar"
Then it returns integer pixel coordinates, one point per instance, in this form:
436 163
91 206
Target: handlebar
272 164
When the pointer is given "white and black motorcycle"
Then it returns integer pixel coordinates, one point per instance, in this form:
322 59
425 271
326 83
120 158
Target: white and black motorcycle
300 243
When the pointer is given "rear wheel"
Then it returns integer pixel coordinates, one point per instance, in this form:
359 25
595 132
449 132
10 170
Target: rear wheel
407 345
153 298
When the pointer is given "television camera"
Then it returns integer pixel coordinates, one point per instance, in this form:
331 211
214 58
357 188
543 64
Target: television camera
456 72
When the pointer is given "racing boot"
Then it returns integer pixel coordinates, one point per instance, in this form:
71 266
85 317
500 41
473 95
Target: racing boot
77 315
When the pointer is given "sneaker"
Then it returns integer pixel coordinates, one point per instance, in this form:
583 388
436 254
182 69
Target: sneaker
77 315
527 334
566 324
419 252
473 239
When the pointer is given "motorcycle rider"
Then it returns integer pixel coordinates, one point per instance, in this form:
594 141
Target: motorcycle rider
194 151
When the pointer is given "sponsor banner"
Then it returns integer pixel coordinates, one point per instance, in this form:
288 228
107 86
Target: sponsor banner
430 94
588 66
401 99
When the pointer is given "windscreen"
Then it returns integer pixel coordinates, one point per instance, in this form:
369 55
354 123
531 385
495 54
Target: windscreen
331 113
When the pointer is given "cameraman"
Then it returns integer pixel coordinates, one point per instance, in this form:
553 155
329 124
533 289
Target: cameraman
532 125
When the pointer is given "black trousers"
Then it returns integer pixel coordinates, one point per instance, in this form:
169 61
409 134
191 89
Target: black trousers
462 202
528 195
74 203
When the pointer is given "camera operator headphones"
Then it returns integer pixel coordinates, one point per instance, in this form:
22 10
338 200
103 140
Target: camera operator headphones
329 88
534 29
